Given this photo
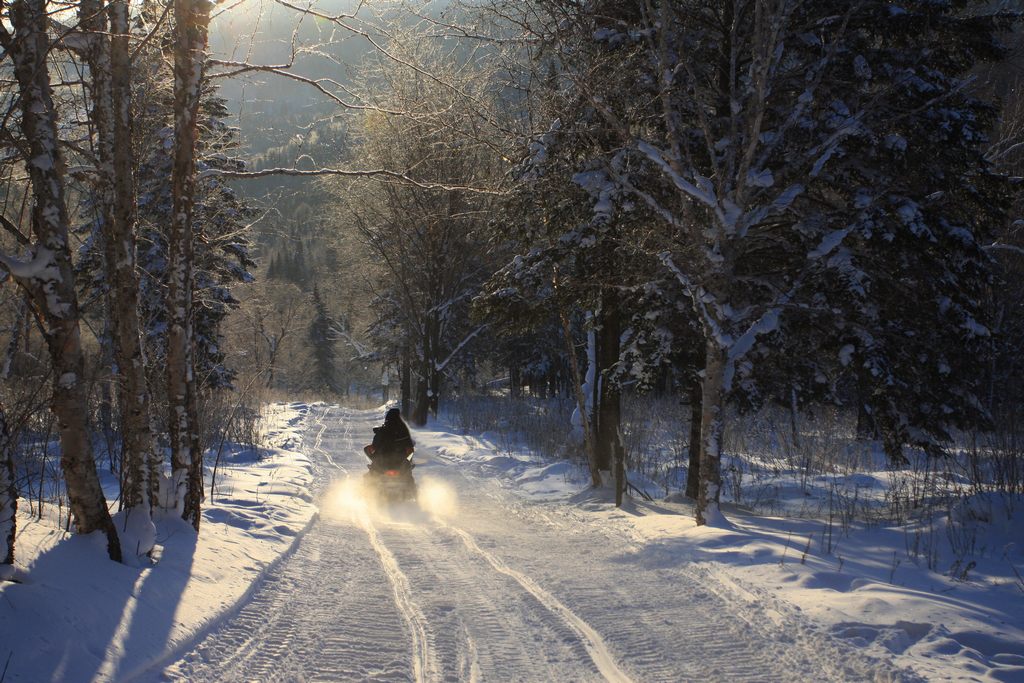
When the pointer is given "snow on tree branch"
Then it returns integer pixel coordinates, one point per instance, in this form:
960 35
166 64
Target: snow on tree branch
443 364
351 173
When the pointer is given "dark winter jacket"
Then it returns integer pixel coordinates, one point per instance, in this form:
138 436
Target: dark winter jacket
391 441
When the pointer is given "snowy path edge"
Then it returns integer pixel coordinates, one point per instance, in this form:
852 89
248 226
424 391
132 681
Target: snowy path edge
197 636
288 437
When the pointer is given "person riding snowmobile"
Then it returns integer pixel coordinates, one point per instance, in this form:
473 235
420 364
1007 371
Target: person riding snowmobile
390 456
392 443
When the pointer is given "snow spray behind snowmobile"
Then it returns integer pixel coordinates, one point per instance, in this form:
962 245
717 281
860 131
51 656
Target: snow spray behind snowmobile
389 478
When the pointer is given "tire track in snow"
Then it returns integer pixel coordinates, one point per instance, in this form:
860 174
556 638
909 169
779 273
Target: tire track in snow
424 659
469 661
318 441
319 616
331 614
485 626
322 617
728 637
591 639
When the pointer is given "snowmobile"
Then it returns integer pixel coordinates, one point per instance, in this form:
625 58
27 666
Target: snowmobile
389 478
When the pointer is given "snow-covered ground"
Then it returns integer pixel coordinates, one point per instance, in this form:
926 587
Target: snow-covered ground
862 586
75 616
509 568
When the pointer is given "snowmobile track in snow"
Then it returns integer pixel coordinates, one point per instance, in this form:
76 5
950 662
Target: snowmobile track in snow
424 659
595 645
505 591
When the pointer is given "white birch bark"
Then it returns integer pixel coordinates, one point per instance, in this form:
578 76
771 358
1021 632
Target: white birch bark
121 255
110 74
581 400
192 19
48 277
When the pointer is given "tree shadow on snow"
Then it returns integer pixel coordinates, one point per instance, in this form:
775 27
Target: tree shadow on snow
67 613
147 631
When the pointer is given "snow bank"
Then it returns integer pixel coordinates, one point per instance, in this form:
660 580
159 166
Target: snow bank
77 616
944 599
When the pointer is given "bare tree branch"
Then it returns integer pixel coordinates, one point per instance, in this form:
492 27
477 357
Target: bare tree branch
10 227
350 173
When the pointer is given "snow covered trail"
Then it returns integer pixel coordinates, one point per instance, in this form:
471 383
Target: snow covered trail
478 585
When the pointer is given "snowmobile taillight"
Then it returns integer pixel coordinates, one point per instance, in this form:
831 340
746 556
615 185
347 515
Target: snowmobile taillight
391 473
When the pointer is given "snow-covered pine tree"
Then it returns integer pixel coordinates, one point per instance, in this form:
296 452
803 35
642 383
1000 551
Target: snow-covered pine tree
1003 391
223 251
529 348
393 341
783 144
910 273
548 280
663 337
223 256
572 225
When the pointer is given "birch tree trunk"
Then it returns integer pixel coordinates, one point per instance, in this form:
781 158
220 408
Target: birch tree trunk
581 400
608 408
96 53
48 278
110 72
124 276
192 18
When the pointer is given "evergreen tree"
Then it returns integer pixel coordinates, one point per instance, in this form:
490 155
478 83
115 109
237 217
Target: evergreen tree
321 339
222 251
812 176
